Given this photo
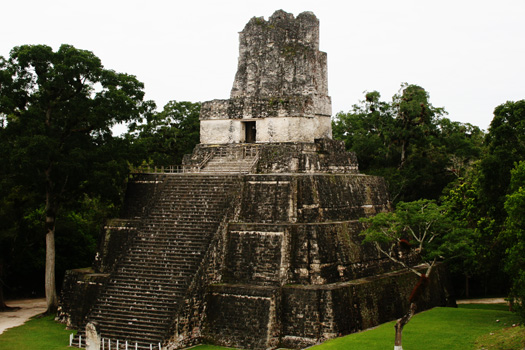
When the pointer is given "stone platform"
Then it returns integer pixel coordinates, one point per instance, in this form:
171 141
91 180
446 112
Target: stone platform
279 262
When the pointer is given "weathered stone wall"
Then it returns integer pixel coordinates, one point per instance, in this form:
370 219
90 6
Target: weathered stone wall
321 156
312 198
281 84
242 317
264 107
279 254
294 261
116 239
281 57
297 316
80 290
141 193
282 129
142 190
318 312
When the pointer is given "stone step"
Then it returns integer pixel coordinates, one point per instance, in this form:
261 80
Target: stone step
114 310
143 294
172 264
155 271
132 333
134 316
152 254
123 303
140 298
171 284
172 240
224 163
178 217
170 243
149 323
176 255
175 223
136 274
117 302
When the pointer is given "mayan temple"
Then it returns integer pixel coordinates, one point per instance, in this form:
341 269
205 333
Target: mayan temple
256 243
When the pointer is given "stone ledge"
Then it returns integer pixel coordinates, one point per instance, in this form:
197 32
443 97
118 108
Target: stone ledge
263 107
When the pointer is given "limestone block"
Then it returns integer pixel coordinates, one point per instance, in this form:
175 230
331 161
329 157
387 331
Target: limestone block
220 131
93 338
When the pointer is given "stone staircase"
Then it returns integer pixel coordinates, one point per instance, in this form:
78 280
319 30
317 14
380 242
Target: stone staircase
232 160
142 295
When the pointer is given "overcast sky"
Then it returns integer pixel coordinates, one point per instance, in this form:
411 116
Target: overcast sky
469 55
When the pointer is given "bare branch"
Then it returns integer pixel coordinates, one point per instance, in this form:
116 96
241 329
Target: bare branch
388 255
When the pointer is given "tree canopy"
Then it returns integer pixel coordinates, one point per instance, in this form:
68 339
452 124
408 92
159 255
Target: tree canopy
163 138
57 110
409 142
515 236
505 146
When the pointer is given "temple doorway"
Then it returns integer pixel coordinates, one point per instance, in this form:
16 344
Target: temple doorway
250 130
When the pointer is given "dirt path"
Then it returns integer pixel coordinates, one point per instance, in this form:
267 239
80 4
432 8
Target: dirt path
28 309
482 301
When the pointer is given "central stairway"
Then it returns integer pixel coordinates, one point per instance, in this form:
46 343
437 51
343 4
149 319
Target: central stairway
143 294
232 160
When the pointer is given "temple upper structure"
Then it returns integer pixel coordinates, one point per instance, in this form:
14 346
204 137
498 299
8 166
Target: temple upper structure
280 92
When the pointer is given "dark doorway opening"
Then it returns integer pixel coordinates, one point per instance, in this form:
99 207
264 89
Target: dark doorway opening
250 132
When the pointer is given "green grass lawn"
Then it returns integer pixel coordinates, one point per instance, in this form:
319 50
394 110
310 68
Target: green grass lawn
468 327
39 333
437 329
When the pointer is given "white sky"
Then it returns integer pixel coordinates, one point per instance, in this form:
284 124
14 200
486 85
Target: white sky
469 55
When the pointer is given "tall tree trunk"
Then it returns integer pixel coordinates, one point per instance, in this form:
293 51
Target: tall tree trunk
50 283
3 306
400 324
403 153
51 293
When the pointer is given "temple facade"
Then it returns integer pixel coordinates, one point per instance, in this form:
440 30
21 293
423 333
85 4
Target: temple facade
280 92
256 244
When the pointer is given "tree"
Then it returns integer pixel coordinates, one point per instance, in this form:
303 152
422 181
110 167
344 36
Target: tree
415 117
505 147
418 228
409 142
515 235
483 261
367 130
58 108
168 135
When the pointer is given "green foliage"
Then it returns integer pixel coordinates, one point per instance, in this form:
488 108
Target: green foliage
56 113
167 136
515 235
409 142
366 130
505 147
431 234
482 260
